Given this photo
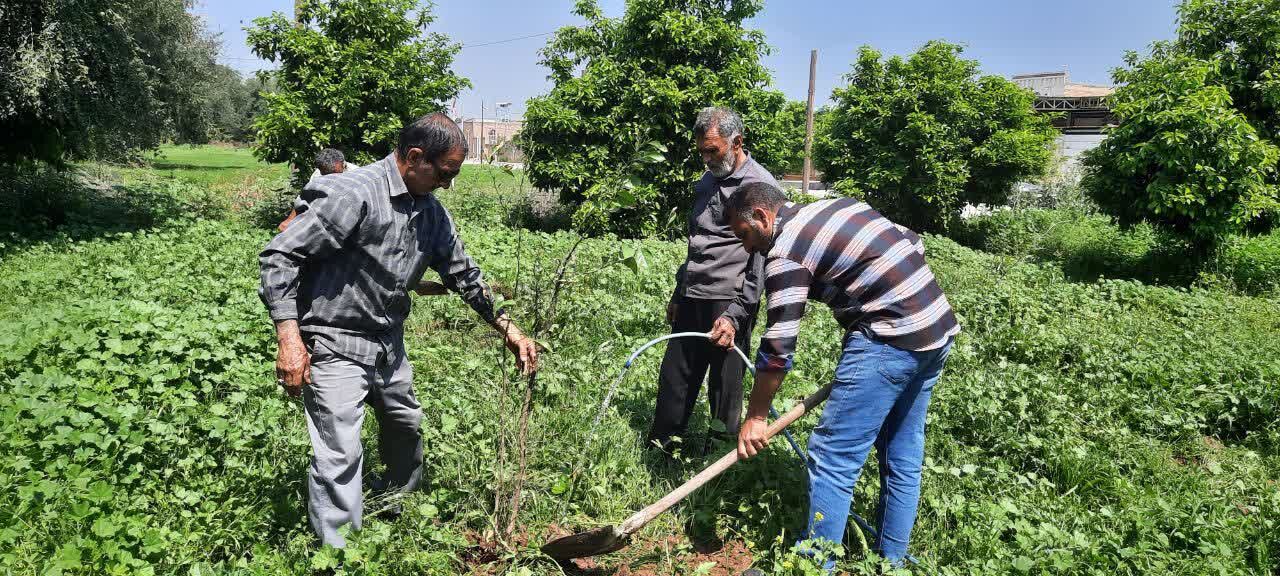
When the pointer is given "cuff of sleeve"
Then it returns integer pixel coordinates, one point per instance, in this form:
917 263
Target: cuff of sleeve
735 313
283 310
772 363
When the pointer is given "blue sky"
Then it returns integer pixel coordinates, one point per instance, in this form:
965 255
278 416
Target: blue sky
1089 37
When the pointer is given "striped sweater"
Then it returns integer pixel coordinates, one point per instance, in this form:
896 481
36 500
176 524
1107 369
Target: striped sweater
870 271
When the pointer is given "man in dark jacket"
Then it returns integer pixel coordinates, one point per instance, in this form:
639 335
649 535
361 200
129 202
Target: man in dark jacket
717 288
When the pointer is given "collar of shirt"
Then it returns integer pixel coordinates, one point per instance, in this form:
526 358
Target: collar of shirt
785 213
741 171
394 180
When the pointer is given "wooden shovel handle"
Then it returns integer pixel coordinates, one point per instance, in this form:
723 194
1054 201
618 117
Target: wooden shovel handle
639 519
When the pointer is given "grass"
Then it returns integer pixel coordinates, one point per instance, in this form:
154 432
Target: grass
214 166
1082 427
1089 246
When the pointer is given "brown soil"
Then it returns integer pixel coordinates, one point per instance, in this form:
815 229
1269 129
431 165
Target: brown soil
641 558
638 559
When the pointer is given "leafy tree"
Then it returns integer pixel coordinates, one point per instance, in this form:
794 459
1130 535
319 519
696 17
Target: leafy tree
230 103
918 137
1197 150
615 134
785 139
99 78
351 75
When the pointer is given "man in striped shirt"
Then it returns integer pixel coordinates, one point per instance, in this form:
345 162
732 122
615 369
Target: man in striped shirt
898 331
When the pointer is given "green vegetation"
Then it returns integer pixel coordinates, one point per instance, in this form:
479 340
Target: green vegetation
350 77
1088 246
106 79
1197 151
628 90
1083 427
918 137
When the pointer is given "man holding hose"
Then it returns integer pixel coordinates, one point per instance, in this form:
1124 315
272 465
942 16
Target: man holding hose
337 283
898 327
717 288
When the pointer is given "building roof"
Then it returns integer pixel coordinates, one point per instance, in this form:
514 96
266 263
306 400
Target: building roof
1079 90
488 120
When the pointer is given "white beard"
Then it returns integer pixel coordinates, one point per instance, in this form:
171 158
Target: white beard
724 166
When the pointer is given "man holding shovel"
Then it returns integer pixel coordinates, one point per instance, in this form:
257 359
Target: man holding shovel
717 288
898 327
337 283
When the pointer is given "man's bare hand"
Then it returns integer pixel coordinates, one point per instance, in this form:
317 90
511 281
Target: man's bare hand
526 353
751 437
672 309
523 347
429 288
723 332
293 362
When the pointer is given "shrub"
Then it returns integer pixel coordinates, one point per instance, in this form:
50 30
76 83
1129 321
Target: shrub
1196 149
350 78
627 91
1252 263
919 137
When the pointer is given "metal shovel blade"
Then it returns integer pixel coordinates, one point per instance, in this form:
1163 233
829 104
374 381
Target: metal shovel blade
602 540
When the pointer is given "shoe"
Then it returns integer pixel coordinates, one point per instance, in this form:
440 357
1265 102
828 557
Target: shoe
752 572
390 513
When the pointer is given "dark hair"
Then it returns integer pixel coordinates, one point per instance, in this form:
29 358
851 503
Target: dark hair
327 159
726 122
435 134
753 195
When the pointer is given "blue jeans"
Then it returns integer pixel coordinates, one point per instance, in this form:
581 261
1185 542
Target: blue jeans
879 397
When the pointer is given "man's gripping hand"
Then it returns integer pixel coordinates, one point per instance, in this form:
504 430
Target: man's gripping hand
722 332
293 362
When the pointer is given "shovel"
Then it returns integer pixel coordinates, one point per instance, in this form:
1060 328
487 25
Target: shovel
610 538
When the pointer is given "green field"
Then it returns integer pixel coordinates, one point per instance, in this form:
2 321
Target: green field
1083 427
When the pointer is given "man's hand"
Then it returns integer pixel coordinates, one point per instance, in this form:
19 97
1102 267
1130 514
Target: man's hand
751 437
523 347
671 311
293 362
526 353
722 332
429 288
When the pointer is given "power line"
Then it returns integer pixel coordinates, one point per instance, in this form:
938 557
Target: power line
465 45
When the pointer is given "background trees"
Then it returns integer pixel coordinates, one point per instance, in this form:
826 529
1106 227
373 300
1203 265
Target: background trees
100 78
350 76
920 136
1196 150
614 136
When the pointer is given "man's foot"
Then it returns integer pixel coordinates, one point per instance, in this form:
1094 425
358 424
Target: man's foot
753 572
390 513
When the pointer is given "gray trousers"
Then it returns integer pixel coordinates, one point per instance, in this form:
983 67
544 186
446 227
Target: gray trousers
335 412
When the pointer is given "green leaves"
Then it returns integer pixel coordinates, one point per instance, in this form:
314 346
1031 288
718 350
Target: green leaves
633 258
616 140
350 79
105 80
1197 151
920 136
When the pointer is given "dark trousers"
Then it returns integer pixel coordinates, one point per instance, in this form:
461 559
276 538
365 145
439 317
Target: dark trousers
685 365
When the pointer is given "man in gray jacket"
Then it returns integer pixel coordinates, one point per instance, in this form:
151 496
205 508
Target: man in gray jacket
337 283
717 288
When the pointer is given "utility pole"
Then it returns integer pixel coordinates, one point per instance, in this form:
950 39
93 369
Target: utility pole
808 124
297 13
481 138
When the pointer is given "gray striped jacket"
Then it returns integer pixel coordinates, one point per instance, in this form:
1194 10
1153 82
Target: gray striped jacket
345 266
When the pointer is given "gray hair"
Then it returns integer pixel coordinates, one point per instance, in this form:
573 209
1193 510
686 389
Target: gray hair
436 134
726 122
753 195
327 159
